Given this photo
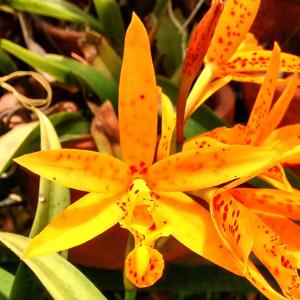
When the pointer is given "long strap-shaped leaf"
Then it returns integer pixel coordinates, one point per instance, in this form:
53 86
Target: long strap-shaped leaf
61 278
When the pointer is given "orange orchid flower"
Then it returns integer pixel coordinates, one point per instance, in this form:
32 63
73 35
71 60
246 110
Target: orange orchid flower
260 129
234 54
143 197
251 220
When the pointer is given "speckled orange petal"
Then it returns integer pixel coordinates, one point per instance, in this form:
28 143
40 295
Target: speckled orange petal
230 219
198 96
79 169
138 98
167 127
201 142
273 254
263 100
144 266
230 136
270 200
257 279
253 78
286 141
288 230
83 220
258 61
234 23
276 177
191 225
206 167
279 108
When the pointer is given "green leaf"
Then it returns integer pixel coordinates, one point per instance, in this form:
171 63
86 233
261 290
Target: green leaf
12 141
105 88
53 198
109 57
6 63
66 70
169 45
59 9
6 283
107 11
23 138
60 278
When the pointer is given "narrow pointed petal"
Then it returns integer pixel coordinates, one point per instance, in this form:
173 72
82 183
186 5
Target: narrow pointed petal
286 141
276 177
234 23
273 254
258 280
230 136
271 200
263 100
198 96
192 226
206 167
258 61
201 142
253 78
285 228
144 266
167 127
138 98
194 58
230 219
280 107
83 220
79 169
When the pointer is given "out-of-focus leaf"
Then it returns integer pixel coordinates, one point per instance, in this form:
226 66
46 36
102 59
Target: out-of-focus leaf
110 58
6 283
111 18
11 142
23 138
53 198
105 88
59 9
60 278
66 70
6 63
169 45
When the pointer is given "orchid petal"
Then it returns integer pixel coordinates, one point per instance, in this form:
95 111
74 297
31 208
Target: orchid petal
271 200
202 168
263 101
286 140
79 169
285 228
254 78
256 278
197 97
258 61
230 219
144 266
234 23
138 98
280 107
230 136
273 254
191 225
168 126
83 220
276 177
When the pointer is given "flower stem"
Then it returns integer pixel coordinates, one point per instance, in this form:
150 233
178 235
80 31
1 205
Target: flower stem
130 294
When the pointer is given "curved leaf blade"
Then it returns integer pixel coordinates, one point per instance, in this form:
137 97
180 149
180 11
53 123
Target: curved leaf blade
61 278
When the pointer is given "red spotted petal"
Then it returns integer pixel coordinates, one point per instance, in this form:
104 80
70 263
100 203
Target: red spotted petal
271 200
